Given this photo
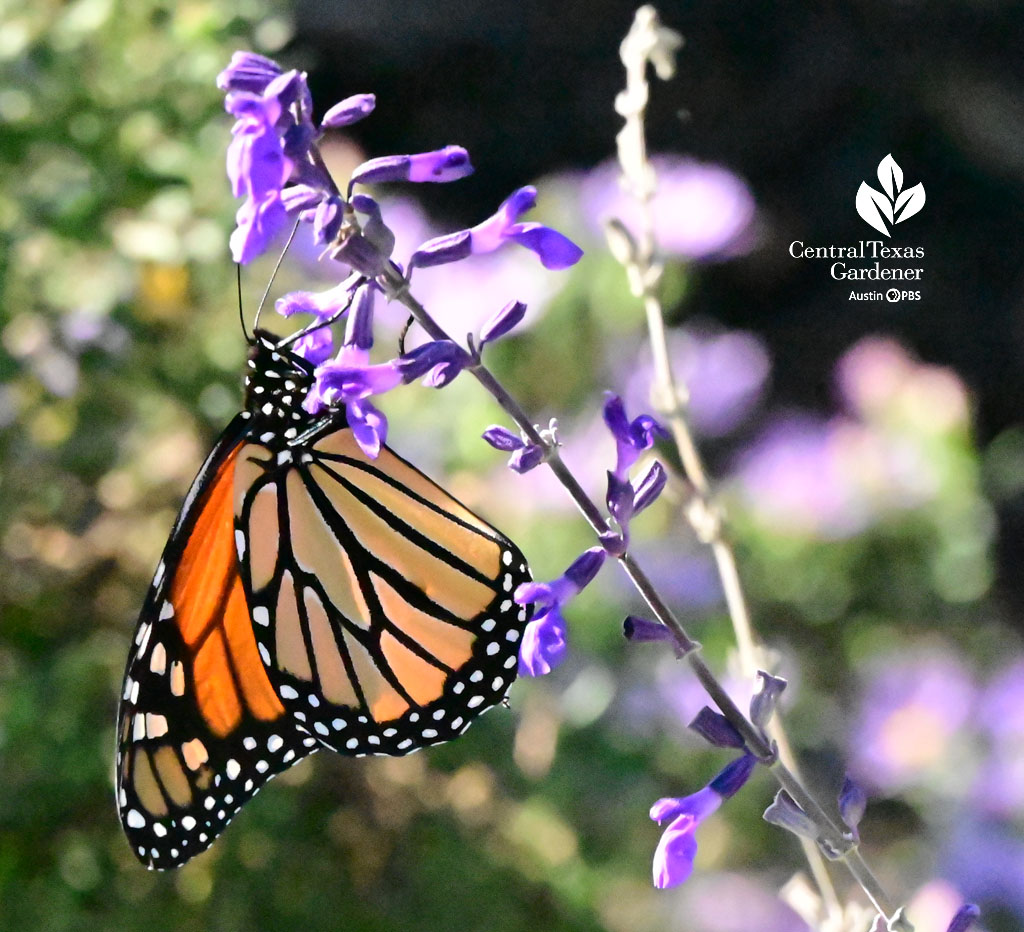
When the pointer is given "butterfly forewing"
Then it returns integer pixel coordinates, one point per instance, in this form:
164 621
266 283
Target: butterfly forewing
200 728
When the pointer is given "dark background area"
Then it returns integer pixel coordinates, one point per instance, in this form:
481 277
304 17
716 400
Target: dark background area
802 100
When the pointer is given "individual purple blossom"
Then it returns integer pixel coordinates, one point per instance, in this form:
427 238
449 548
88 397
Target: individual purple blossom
438 361
762 705
853 802
631 437
323 304
554 250
448 164
674 856
544 640
644 630
716 729
525 456
348 111
785 813
502 321
316 346
248 72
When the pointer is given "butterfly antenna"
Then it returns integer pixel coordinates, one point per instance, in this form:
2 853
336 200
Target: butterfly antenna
273 274
241 316
404 334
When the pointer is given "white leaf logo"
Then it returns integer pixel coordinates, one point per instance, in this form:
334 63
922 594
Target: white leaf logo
884 209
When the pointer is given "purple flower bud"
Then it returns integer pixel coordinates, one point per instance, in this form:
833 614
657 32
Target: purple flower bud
733 776
502 322
359 327
853 802
301 197
649 487
544 644
330 213
501 438
443 355
785 813
348 111
964 917
526 458
642 630
248 72
441 250
447 164
762 706
716 729
585 567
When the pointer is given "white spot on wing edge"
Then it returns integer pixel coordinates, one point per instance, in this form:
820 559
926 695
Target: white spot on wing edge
134 819
240 543
261 616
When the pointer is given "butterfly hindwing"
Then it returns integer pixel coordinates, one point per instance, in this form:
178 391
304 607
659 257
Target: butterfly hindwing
382 605
200 728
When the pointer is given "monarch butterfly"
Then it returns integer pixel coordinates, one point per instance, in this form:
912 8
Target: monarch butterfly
307 597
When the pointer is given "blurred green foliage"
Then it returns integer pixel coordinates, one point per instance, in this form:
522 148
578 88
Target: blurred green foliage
120 360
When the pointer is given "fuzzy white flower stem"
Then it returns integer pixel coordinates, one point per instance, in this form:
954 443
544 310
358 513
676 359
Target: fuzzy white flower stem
650 43
832 837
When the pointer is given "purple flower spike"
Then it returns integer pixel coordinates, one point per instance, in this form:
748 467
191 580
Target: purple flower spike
716 729
643 630
785 813
348 111
674 856
248 72
853 802
502 322
762 706
447 164
544 641
631 437
964 918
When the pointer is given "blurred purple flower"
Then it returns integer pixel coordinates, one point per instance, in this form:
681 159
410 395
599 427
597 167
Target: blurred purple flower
248 72
674 856
735 903
912 709
725 374
701 211
984 858
999 788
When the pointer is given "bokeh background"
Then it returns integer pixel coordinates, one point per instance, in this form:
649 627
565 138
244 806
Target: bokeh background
870 455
